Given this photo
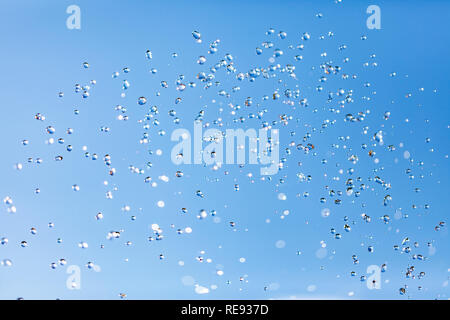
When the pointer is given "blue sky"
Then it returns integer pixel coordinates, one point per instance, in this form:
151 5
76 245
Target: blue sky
42 58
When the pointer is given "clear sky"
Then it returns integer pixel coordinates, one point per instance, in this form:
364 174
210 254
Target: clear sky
269 239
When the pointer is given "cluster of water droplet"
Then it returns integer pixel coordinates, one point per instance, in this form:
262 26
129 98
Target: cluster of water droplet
347 184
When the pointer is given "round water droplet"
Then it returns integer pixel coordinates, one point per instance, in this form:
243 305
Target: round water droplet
142 101
6 262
